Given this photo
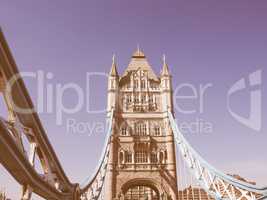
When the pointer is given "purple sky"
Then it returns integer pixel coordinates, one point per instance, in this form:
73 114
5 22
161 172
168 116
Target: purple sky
208 41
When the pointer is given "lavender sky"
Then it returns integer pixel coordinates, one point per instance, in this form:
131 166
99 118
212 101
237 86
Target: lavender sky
216 42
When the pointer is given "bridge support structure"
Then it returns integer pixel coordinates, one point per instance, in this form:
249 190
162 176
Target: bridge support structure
22 130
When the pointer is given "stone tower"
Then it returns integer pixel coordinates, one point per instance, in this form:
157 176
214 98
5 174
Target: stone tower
142 163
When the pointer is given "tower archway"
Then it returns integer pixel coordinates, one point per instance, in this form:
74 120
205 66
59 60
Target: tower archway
141 189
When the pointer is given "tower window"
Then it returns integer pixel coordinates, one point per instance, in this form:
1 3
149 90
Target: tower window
161 157
153 85
121 157
141 129
157 131
141 192
136 99
141 156
143 84
150 99
138 129
143 99
128 157
154 158
136 85
129 98
124 131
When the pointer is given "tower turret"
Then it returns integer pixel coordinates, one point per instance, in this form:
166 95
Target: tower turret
165 68
166 87
113 70
113 81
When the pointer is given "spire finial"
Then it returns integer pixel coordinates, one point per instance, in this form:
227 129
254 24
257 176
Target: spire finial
113 58
164 59
138 48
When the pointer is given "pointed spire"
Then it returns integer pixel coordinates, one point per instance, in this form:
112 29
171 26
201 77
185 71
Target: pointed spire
165 68
113 71
113 59
164 59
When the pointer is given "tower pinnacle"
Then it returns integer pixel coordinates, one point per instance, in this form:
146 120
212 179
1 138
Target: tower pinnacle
113 70
165 68
138 48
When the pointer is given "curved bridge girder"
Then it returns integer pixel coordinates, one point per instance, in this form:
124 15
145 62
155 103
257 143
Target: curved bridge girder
53 182
15 161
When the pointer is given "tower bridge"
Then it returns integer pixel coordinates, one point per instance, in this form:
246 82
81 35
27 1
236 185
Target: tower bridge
138 161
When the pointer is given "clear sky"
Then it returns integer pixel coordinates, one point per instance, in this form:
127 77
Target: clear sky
206 43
